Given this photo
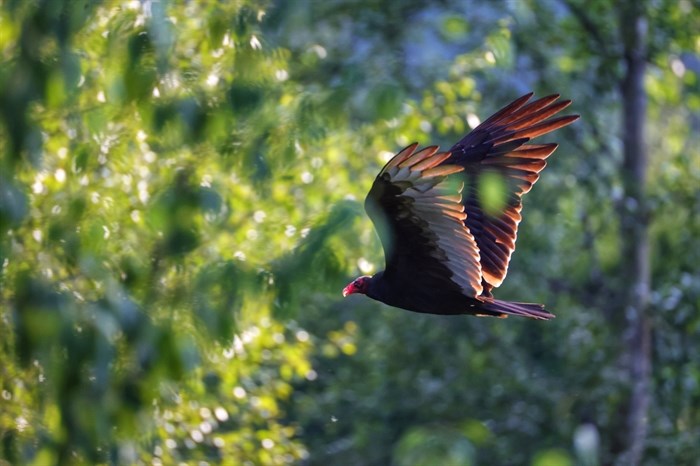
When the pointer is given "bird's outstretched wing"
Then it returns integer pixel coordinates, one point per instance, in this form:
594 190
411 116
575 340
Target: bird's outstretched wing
500 146
419 216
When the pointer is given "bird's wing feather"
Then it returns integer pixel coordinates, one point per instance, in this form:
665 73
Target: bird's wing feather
500 146
419 216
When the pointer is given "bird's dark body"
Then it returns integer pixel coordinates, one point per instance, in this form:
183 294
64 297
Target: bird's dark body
445 300
416 297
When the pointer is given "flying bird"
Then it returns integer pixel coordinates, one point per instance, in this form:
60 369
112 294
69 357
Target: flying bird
445 246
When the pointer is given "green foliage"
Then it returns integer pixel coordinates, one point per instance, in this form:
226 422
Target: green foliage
426 446
552 457
181 191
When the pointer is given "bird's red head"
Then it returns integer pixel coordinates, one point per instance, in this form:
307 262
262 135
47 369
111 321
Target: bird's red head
358 285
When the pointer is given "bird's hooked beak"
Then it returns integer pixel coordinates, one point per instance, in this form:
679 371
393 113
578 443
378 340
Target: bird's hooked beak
358 285
350 289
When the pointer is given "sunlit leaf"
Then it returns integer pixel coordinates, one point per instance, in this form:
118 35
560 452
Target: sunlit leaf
493 192
455 28
552 457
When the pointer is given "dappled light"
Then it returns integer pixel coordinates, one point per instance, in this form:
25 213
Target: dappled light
182 191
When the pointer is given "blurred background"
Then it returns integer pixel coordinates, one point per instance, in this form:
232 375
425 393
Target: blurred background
181 188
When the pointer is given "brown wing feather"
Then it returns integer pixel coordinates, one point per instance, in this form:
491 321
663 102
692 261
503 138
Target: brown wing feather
500 144
420 221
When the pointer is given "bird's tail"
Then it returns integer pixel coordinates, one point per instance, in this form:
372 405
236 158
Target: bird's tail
506 308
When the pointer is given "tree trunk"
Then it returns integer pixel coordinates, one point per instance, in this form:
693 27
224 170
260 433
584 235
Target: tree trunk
634 230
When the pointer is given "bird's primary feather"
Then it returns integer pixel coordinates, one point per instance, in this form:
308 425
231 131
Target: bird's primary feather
500 145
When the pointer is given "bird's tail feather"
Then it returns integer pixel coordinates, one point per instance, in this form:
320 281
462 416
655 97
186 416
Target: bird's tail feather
505 308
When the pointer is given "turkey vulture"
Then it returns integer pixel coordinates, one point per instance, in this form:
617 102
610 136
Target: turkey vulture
445 249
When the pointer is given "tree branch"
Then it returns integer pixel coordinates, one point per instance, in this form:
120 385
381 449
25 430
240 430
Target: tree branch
634 230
